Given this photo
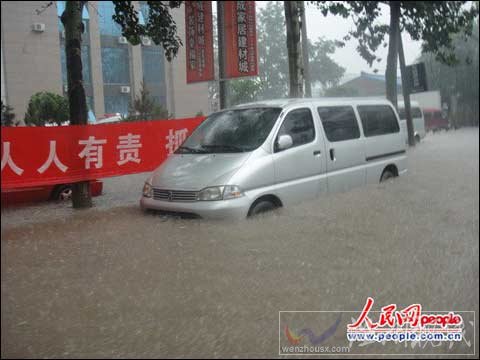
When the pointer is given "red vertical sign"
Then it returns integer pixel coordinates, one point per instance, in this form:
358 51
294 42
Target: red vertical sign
199 41
240 39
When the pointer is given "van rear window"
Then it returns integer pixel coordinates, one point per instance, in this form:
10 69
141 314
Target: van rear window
339 123
378 120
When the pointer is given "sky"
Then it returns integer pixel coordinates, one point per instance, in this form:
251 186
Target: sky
335 28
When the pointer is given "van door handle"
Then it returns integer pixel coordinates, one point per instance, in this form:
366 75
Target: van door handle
317 153
332 154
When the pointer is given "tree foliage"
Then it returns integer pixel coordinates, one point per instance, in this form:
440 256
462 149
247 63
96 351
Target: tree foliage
159 25
323 69
431 22
47 108
144 107
8 117
460 80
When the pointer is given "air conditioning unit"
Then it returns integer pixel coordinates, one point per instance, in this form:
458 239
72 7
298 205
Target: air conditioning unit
125 89
38 27
65 88
122 40
146 41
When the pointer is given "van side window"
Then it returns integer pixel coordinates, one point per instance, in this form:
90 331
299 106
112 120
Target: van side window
378 120
339 123
299 125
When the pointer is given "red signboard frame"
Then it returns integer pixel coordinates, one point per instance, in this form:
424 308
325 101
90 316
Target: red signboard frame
199 41
240 39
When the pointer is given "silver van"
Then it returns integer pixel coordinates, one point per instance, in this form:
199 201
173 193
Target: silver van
260 156
417 119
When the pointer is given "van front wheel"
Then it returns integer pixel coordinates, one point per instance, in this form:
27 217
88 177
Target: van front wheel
261 207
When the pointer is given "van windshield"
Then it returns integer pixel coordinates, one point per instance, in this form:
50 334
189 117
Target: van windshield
231 131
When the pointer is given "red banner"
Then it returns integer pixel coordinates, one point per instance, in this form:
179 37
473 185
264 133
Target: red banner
199 41
65 154
240 39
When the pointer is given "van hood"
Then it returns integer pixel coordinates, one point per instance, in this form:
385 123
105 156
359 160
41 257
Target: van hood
197 171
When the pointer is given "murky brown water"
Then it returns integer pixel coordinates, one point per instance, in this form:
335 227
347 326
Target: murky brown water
115 282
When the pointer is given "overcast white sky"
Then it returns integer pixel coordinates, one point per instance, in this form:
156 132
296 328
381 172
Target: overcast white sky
335 27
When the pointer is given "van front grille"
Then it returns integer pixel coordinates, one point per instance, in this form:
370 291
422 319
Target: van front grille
174 195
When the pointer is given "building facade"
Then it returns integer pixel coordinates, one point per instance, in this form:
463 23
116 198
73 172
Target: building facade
33 60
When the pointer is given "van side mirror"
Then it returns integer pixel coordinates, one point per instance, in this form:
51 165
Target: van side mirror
284 142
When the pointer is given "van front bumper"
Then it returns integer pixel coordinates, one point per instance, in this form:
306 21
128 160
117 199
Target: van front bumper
219 209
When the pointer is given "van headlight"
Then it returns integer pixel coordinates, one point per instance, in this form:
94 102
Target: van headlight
147 190
220 193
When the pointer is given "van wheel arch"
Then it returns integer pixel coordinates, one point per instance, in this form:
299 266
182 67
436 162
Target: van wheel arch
389 169
274 200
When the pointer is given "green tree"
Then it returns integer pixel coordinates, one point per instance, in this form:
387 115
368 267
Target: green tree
143 104
46 108
457 80
323 69
8 116
160 27
243 91
273 55
272 51
432 22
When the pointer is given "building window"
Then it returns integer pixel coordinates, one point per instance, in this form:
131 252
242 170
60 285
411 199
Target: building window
107 25
153 65
115 66
117 104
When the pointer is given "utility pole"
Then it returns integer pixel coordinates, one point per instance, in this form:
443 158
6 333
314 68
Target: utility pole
306 60
222 82
406 90
295 61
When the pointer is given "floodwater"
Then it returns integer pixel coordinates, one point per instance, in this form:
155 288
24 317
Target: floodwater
115 282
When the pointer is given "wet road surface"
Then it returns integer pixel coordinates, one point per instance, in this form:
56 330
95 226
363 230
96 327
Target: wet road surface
115 282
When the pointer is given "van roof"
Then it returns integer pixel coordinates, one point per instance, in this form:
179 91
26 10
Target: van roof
325 100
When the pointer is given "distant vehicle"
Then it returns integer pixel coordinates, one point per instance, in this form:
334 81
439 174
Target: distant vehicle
435 120
256 157
109 118
419 131
32 194
91 120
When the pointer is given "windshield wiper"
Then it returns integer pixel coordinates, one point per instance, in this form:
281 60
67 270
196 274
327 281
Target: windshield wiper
186 150
224 147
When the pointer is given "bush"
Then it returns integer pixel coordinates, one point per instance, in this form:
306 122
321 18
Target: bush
47 108
8 116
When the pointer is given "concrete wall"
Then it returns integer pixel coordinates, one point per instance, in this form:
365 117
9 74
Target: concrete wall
183 99
32 60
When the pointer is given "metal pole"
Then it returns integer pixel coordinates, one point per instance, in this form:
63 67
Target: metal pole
306 66
406 91
222 82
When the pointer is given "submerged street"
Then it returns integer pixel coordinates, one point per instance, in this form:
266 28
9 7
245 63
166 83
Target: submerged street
115 282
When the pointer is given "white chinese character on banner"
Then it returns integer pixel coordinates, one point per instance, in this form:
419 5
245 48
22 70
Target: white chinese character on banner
52 157
128 146
7 159
93 152
175 139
